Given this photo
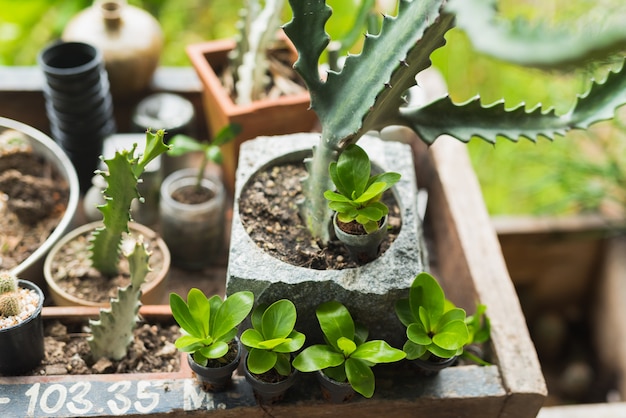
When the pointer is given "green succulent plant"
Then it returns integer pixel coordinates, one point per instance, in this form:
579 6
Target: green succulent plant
209 324
272 338
347 355
122 177
369 91
434 325
182 144
358 194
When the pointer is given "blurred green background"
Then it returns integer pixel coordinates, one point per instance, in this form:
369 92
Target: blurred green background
576 173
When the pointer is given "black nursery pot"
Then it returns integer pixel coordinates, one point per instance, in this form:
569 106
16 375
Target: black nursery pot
334 391
267 393
433 365
363 248
215 379
21 346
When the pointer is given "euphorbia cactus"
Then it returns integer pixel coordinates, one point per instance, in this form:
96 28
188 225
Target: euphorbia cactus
124 171
368 93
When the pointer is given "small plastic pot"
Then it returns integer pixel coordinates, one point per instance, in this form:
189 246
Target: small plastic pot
363 248
215 379
267 393
21 346
334 391
432 367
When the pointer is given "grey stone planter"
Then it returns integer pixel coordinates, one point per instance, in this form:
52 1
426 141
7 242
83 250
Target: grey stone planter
368 291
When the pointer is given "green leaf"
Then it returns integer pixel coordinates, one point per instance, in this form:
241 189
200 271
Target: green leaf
360 376
215 350
442 352
373 191
257 317
188 343
335 322
251 338
260 361
226 134
279 319
413 350
337 373
346 346
404 313
455 314
200 310
283 364
389 178
418 334
378 351
233 311
182 316
317 357
336 197
353 171
372 213
426 292
452 336
274 342
182 144
294 343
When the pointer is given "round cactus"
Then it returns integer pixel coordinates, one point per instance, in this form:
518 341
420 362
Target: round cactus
9 305
8 282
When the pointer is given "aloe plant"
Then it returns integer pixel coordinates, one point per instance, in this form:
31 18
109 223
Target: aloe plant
368 93
122 177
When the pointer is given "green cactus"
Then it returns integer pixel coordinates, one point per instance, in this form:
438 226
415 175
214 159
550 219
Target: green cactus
112 333
8 282
124 171
9 304
369 92
249 59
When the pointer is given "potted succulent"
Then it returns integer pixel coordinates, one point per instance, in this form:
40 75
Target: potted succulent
21 326
360 219
44 175
92 253
346 355
210 339
236 75
270 344
436 329
192 203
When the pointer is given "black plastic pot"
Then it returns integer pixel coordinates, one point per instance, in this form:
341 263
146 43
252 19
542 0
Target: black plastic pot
215 379
363 248
21 346
78 102
433 365
334 391
268 393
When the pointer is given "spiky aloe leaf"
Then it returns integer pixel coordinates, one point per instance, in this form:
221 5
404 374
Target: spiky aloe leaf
521 43
124 170
488 122
366 94
113 331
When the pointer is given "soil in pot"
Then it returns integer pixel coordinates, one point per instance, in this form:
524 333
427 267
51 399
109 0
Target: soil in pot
73 273
270 215
67 351
192 195
33 199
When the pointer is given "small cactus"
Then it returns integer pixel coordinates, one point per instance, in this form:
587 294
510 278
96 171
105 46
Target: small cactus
9 304
8 282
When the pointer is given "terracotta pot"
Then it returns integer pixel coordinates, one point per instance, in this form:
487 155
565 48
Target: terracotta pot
193 232
363 248
153 292
271 116
21 346
31 268
215 379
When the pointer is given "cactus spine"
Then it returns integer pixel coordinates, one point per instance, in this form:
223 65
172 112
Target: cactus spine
9 304
8 282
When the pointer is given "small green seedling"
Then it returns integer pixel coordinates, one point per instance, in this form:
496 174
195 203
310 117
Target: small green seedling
358 195
272 338
182 144
346 355
434 325
209 323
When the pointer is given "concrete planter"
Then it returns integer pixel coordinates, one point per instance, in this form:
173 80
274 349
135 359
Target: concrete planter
463 253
